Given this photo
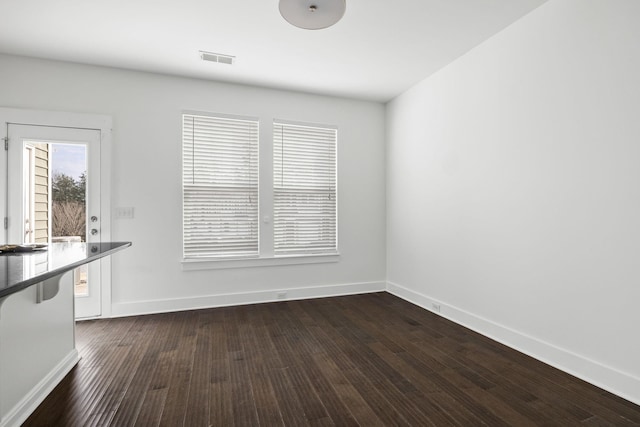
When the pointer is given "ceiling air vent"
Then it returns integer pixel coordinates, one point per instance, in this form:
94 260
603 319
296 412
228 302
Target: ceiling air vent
216 57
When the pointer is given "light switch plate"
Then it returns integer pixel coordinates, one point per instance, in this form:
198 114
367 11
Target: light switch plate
124 213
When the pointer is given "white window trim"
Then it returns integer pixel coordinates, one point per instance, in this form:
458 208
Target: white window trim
198 189
289 246
224 263
266 258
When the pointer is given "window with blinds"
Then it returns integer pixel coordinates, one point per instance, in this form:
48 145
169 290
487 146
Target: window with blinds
220 186
305 189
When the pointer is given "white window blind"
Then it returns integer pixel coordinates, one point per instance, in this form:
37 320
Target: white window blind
220 186
305 189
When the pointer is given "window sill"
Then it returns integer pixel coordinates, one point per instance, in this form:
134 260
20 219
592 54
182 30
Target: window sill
216 264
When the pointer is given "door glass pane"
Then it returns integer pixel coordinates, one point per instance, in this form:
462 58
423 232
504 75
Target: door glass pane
81 288
29 172
68 202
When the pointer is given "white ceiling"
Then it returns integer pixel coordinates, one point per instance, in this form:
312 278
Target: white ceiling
377 51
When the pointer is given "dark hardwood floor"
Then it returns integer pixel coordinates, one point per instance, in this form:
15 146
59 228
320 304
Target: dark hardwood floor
369 360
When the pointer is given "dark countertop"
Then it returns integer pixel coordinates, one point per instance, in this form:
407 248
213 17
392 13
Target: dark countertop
21 270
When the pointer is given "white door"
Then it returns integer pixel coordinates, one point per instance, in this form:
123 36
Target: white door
54 195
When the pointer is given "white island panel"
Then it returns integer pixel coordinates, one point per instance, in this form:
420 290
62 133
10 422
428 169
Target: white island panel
37 346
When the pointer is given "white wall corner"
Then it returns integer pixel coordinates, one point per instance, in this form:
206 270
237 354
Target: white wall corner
619 383
223 300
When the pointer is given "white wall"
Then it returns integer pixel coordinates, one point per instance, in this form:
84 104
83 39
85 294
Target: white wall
514 189
146 174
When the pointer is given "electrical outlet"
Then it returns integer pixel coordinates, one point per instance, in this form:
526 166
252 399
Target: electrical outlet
281 295
435 307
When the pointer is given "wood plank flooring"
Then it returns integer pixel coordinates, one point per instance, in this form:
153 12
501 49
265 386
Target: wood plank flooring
368 360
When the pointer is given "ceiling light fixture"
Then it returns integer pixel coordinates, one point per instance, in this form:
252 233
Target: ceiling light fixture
312 14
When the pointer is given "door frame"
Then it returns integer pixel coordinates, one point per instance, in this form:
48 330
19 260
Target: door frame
98 122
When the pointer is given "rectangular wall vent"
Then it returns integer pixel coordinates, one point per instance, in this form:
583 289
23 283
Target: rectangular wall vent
216 57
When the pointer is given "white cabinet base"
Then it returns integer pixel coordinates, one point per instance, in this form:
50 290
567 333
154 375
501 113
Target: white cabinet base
25 407
37 346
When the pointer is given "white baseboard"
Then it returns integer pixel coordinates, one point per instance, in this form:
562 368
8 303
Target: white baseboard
209 301
21 411
608 378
